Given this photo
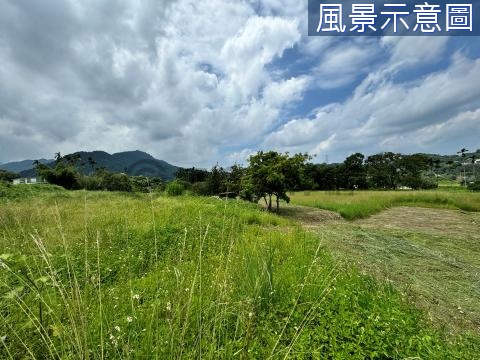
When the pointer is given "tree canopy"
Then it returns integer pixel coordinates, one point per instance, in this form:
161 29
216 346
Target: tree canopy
273 174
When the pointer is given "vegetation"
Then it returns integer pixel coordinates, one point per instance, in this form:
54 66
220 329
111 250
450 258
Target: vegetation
272 174
132 163
174 188
66 174
361 204
431 255
475 185
7 176
116 275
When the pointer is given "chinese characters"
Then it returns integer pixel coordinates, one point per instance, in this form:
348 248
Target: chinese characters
392 18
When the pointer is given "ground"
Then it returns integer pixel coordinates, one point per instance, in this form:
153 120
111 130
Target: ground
433 255
129 275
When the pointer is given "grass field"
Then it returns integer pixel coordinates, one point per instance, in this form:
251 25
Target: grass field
361 204
432 255
112 275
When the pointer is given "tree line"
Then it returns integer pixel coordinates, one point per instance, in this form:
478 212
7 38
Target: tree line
268 177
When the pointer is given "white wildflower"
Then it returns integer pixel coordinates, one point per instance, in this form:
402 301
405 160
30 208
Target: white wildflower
129 319
117 328
136 297
169 306
113 340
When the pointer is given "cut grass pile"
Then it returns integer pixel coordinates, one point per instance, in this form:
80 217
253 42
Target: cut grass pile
361 204
103 275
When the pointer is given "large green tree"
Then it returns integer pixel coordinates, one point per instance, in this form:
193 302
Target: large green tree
354 174
383 170
272 174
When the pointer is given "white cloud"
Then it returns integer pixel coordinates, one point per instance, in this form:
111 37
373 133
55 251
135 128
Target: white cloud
190 80
412 50
179 79
382 115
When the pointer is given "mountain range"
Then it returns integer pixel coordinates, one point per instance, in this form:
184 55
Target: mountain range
129 162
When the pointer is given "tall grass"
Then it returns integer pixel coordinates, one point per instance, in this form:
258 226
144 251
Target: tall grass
361 204
102 275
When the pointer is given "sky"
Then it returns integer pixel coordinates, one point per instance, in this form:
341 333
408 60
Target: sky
197 83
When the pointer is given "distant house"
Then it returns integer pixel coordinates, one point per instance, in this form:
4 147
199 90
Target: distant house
29 181
477 161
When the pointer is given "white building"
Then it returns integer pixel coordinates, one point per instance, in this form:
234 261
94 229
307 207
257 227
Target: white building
30 181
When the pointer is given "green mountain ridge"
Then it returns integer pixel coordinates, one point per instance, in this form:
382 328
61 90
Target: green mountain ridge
129 162
19 166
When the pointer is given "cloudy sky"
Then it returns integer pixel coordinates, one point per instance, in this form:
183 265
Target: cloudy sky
199 82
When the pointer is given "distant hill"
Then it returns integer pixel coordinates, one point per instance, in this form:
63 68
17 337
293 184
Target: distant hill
450 166
129 162
18 166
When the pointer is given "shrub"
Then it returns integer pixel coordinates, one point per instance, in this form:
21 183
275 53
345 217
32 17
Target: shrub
174 188
117 182
200 188
67 177
146 184
428 183
91 183
475 186
3 188
7 175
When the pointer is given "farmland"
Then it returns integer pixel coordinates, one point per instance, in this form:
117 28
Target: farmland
127 275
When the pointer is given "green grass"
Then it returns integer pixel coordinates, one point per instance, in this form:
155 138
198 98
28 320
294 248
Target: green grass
9 192
110 275
437 269
362 204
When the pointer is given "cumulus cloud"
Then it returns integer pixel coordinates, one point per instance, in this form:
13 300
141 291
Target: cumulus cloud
200 82
382 114
179 79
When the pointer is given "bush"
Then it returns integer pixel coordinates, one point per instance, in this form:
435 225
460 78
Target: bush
200 188
67 177
146 184
4 188
428 183
116 182
91 183
475 186
7 175
174 188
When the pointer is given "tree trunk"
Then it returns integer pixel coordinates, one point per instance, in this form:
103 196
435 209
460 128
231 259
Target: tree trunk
269 202
278 205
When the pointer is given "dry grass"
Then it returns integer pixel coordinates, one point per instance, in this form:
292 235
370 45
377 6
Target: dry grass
433 221
433 255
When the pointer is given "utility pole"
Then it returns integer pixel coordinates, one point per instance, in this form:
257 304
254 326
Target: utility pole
474 158
463 154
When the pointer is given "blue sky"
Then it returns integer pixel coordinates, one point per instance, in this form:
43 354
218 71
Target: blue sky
201 82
